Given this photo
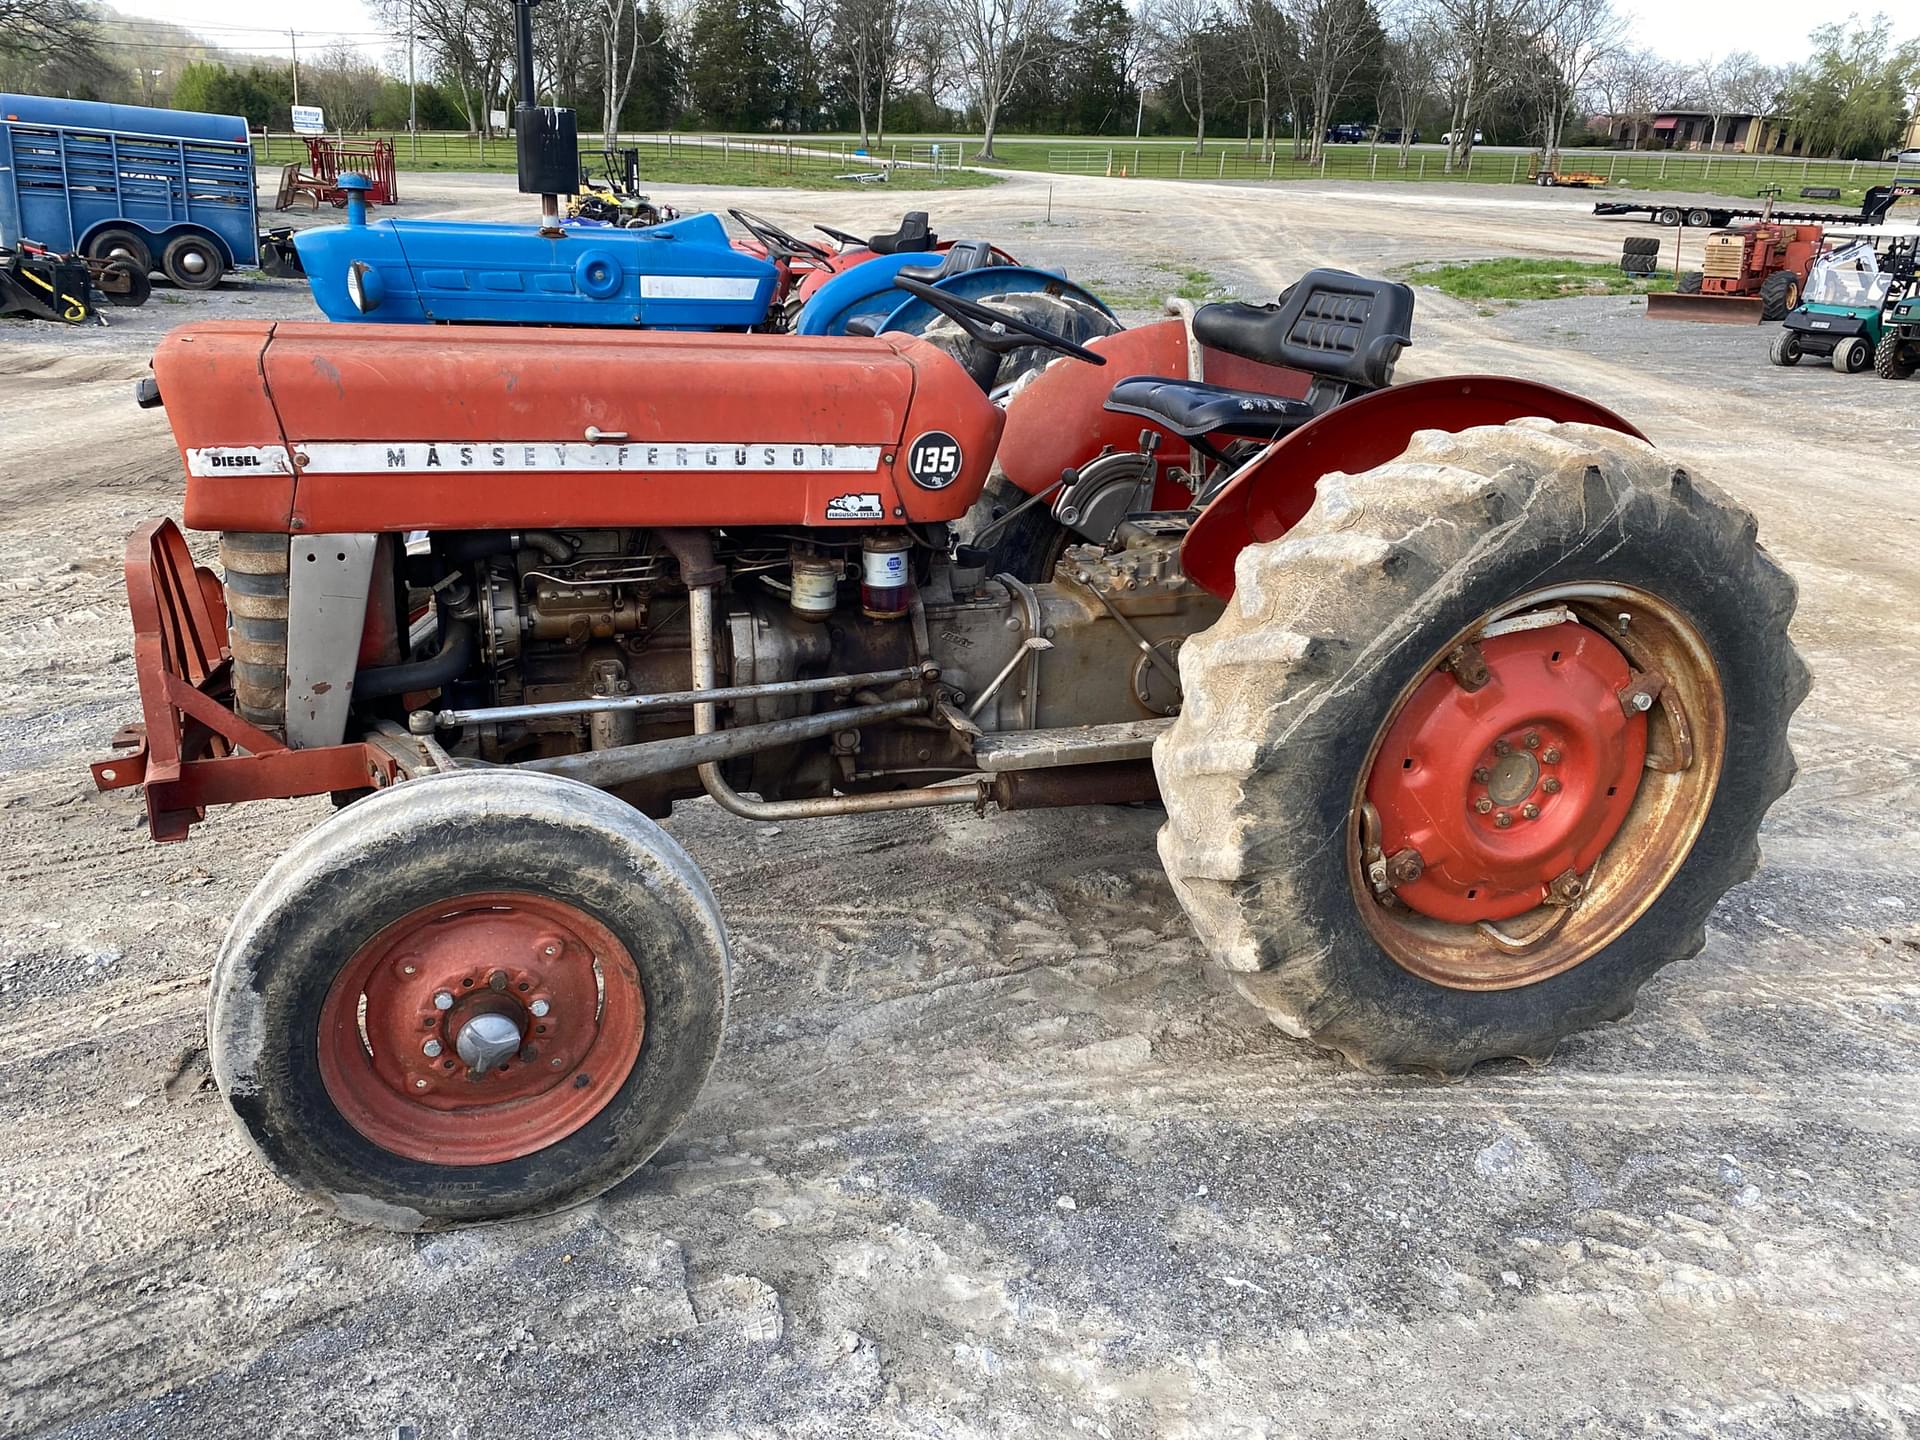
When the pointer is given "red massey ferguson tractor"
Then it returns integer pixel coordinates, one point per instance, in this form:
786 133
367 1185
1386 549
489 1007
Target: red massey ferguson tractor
1463 704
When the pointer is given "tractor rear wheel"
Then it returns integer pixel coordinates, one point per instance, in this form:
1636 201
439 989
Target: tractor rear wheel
1892 359
1447 786
1779 294
471 996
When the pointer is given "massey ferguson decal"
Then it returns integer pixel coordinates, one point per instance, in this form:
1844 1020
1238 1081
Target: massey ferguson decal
239 460
934 460
372 457
856 507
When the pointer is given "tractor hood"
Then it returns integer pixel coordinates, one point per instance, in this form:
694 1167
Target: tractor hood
681 275
358 428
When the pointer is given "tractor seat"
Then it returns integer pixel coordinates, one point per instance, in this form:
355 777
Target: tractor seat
1192 410
912 236
963 256
1345 328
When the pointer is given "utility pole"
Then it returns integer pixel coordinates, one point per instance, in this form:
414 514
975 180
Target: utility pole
413 100
294 41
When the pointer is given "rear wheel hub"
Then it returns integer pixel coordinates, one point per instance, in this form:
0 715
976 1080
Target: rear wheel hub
1505 787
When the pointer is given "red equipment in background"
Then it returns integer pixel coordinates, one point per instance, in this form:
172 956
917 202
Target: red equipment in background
328 160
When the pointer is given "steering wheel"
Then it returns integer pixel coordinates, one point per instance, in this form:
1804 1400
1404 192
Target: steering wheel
852 242
995 330
776 239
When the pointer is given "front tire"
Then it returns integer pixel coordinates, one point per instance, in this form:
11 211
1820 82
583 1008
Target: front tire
1852 355
1785 349
1334 638
361 1004
1688 284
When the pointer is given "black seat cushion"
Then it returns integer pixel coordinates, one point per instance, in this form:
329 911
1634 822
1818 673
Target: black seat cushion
1345 327
964 255
913 235
1190 410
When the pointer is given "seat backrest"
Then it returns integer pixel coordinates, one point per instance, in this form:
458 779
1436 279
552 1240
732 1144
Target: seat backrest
914 235
1347 328
961 256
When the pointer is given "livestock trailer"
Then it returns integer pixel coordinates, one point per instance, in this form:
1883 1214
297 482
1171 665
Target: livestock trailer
169 190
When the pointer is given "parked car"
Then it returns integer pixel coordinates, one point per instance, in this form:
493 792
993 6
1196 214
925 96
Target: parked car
1347 134
1392 137
1447 139
1907 159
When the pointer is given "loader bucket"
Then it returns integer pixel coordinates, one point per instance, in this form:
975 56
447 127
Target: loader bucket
1708 309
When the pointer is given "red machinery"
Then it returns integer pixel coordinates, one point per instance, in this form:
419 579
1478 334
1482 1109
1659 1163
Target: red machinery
328 160
1751 274
1436 682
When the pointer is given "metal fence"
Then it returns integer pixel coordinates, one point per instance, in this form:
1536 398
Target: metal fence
1671 170
686 155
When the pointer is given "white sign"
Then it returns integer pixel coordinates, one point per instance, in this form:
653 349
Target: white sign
309 120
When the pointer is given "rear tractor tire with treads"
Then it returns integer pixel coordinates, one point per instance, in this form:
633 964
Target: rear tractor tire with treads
1340 630
1779 294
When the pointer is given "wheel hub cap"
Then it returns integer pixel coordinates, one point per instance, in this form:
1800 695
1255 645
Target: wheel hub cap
486 1040
1504 789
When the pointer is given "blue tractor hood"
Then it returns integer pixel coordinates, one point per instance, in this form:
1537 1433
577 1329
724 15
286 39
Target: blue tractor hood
683 275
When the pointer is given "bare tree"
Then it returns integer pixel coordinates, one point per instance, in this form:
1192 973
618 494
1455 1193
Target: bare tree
617 27
994 42
467 43
1579 37
1412 70
1337 37
1489 41
867 45
345 84
1187 31
1756 89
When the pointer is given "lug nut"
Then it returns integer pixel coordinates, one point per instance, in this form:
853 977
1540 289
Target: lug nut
1481 774
1533 742
1530 810
497 980
1501 747
443 1001
539 1007
1483 804
419 1084
1551 785
1551 756
551 951
430 1049
1503 820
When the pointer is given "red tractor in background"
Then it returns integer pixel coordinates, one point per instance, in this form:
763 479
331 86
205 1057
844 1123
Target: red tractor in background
1750 274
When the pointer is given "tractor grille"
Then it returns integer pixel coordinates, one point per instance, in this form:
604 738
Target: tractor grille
1726 257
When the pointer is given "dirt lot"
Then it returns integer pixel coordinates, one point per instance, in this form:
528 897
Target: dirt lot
989 1152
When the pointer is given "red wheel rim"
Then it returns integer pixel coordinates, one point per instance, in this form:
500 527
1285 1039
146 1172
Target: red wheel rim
528 969
1535 788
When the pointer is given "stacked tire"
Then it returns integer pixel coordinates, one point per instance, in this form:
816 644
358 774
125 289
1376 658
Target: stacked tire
1640 254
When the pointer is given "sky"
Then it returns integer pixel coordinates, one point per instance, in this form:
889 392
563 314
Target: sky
1692 30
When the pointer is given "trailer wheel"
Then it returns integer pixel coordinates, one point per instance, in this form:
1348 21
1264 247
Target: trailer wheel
1699 219
471 996
192 262
1668 216
1891 360
117 244
1786 349
1779 294
1447 784
1852 355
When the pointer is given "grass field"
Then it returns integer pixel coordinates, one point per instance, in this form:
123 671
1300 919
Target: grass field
814 161
1516 279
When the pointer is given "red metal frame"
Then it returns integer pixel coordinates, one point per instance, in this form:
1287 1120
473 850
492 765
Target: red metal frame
1271 495
191 750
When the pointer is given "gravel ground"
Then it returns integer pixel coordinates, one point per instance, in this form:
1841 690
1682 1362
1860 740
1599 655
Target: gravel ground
990 1152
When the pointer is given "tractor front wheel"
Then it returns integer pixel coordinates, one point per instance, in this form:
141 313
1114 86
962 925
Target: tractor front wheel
1476 748
1688 284
471 996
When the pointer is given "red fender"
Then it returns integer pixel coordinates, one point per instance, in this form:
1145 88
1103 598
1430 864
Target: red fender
1269 497
1057 420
